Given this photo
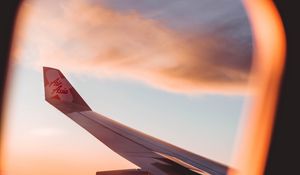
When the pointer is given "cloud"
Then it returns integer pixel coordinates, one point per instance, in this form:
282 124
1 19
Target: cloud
88 38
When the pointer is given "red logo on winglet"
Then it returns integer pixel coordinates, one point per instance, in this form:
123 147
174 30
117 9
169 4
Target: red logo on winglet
58 87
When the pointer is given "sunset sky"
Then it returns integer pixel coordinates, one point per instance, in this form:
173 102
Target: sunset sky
176 70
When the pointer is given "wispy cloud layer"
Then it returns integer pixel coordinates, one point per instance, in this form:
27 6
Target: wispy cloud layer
93 39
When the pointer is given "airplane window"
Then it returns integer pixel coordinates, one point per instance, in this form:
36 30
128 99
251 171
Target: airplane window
184 72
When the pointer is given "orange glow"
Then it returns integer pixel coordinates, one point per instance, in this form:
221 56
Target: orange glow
269 55
269 60
44 163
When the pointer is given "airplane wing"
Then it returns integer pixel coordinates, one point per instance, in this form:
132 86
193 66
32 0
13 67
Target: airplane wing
152 155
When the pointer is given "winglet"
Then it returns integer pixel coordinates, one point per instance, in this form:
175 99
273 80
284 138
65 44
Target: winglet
60 93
